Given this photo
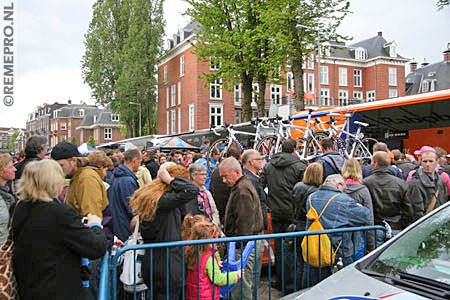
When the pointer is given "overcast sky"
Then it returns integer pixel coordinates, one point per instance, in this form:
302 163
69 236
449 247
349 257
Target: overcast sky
48 38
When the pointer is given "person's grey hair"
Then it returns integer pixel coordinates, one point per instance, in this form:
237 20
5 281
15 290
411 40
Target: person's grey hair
334 179
380 147
35 145
196 168
231 163
248 155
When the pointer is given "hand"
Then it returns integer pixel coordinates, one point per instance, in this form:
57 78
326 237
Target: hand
93 219
118 243
164 175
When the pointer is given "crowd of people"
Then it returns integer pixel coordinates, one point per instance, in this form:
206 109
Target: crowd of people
64 208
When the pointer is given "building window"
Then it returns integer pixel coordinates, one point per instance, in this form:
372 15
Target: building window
361 53
324 74
255 93
393 93
343 97
165 74
311 61
81 111
289 81
215 115
237 116
310 86
167 97
237 94
357 95
191 117
114 117
182 65
393 76
215 89
179 92
325 96
107 133
275 94
214 64
167 122
357 78
173 120
343 76
371 96
173 94
179 119
63 125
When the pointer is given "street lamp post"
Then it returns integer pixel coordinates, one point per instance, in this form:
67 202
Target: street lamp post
140 111
318 60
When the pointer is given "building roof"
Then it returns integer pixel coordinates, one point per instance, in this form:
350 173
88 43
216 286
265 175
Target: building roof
99 118
438 72
74 110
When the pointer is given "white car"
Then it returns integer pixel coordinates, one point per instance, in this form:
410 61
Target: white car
413 265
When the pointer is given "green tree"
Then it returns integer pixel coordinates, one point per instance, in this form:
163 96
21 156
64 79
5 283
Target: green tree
123 43
91 141
73 140
12 146
297 25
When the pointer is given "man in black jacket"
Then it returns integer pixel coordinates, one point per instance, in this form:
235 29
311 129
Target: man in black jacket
35 149
280 175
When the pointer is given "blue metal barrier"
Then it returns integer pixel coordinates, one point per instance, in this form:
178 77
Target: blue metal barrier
290 243
104 287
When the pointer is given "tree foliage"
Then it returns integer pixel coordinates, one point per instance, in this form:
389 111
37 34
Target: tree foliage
123 44
91 141
12 146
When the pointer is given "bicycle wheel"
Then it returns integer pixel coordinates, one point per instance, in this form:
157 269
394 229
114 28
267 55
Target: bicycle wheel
314 145
222 146
363 148
267 147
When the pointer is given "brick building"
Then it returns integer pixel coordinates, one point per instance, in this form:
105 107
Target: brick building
365 71
38 122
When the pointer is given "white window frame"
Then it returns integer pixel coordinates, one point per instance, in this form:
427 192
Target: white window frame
182 65
107 133
343 97
64 138
215 118
323 74
342 76
173 94
360 53
179 119
237 94
393 93
310 85
165 74
275 94
114 117
357 78
173 121
237 116
392 76
358 95
81 111
63 126
167 122
215 89
371 96
179 92
167 97
213 66
325 97
191 117
311 61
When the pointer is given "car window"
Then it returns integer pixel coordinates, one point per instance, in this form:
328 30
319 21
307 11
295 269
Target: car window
423 251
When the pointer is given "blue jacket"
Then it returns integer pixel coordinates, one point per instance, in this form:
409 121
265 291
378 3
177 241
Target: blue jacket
204 162
396 171
342 212
332 163
123 185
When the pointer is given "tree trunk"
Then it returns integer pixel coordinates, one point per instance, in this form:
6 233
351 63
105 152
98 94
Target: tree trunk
261 97
297 72
247 81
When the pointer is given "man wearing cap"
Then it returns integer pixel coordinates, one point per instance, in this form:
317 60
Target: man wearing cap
426 189
86 194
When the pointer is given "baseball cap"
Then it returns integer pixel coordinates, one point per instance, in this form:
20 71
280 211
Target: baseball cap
65 150
424 149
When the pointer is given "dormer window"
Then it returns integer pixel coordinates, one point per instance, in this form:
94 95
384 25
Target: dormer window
393 50
115 117
360 53
81 112
95 119
55 113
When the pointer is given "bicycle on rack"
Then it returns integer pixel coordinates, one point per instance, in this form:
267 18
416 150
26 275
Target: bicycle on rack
222 144
271 144
355 144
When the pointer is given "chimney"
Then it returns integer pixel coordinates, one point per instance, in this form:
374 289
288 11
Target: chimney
425 63
412 66
69 101
380 33
447 53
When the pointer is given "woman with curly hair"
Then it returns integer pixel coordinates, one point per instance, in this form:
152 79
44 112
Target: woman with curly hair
159 205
